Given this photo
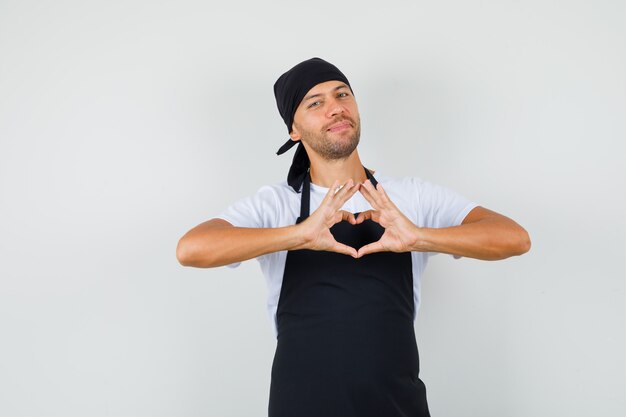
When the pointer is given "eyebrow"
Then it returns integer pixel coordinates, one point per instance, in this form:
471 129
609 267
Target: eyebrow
339 87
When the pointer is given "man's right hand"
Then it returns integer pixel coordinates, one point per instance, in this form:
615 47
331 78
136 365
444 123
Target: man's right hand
315 230
217 242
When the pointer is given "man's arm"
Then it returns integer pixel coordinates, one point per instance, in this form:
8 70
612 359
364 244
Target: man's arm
483 234
217 242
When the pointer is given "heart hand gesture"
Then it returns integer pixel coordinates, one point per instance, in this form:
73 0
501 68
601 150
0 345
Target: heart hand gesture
315 230
399 235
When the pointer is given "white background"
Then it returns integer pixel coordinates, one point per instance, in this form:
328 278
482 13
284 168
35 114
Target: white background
125 123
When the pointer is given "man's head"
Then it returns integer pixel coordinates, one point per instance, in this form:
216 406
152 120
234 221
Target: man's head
327 120
317 104
293 85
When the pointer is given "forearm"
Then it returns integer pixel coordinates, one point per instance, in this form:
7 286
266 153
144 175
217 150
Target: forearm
207 247
487 239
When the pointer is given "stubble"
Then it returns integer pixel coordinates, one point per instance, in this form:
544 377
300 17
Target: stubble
330 146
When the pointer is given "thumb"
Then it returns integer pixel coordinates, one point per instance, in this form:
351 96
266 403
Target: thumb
344 249
371 248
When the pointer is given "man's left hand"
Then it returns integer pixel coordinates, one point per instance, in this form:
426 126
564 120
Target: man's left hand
400 233
483 234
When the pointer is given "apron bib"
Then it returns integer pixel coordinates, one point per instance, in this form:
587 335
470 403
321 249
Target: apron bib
346 343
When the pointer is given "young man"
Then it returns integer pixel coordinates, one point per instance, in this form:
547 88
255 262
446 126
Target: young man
342 248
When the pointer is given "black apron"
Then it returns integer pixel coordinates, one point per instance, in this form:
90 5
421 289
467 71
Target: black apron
346 343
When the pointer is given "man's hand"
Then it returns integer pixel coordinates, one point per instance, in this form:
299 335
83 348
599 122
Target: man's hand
217 242
315 230
483 234
399 235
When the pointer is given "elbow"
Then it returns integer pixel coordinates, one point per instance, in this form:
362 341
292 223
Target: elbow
182 253
202 247
186 253
190 253
521 243
515 244
526 243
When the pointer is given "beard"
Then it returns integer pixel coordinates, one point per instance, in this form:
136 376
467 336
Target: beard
333 148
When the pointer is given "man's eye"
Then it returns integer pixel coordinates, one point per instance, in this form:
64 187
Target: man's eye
343 94
314 104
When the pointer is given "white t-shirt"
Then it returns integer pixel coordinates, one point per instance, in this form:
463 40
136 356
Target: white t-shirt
278 205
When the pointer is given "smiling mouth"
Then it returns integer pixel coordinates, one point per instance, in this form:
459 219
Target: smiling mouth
340 126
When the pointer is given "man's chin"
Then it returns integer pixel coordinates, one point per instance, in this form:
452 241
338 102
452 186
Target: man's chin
344 152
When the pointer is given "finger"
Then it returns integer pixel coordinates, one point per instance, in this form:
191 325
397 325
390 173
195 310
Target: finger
381 191
383 195
343 187
344 194
334 192
346 215
369 197
343 215
369 187
371 248
364 215
380 197
345 249
368 214
331 192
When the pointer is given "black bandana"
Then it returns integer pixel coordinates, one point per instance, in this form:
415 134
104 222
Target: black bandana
289 91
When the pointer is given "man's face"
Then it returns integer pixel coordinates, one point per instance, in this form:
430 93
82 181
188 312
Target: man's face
327 120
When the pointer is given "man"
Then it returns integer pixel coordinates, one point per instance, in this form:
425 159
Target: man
343 248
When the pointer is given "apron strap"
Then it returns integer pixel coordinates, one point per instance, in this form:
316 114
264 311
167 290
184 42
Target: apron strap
371 177
305 199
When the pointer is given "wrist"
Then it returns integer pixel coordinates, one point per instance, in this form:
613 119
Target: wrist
419 239
300 240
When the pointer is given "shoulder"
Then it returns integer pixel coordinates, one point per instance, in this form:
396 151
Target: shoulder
280 192
264 208
272 193
280 202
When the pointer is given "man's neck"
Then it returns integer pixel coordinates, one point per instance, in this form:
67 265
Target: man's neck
324 172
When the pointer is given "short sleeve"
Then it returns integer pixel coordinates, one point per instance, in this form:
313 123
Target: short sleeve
257 211
440 206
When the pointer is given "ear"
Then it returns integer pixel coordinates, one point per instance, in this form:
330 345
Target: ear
295 135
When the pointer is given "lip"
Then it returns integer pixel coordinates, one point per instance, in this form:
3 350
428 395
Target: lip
339 126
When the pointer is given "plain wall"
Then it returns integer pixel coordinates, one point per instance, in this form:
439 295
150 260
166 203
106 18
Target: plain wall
125 123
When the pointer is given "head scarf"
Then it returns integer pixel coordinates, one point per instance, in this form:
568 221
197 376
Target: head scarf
289 90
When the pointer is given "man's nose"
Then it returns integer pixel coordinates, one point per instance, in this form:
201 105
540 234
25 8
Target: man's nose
335 108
